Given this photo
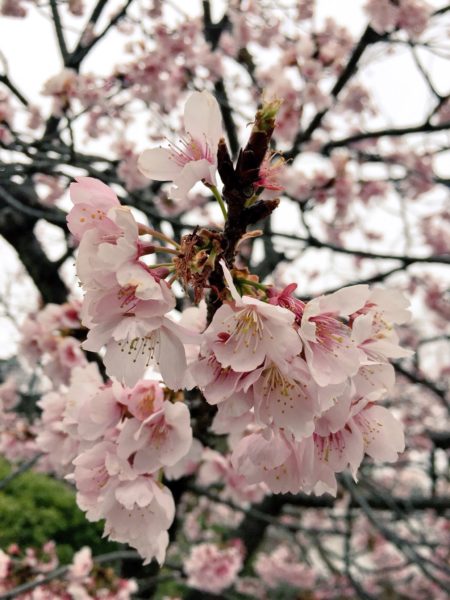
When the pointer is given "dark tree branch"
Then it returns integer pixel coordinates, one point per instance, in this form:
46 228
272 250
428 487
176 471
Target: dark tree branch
313 242
212 32
24 467
9 84
95 15
18 230
427 383
59 32
82 51
369 37
393 131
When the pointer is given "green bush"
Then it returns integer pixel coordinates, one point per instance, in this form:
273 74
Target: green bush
35 508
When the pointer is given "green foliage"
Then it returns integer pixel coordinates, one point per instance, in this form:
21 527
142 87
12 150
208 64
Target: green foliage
35 508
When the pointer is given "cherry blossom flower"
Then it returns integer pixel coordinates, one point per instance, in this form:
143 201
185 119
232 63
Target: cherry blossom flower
212 569
383 14
92 200
53 436
373 327
372 430
140 515
216 468
136 509
282 567
269 456
243 333
81 564
194 158
161 439
330 351
133 344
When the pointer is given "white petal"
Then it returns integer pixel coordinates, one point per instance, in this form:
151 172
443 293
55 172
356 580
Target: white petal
172 360
157 163
230 283
203 119
192 172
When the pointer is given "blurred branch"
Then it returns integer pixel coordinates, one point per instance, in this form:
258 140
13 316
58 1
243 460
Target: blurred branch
82 50
313 242
59 32
24 467
427 383
369 37
9 84
95 15
61 571
393 131
17 228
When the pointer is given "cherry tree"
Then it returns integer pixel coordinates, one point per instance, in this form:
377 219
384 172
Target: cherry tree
226 295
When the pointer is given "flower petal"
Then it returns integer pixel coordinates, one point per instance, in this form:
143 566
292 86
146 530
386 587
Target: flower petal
157 163
192 172
203 119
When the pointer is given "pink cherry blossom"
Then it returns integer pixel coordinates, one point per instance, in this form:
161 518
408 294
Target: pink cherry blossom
211 569
53 436
413 16
92 200
136 509
246 331
81 564
270 457
217 469
330 351
383 14
373 325
193 158
161 439
139 514
133 344
286 399
282 567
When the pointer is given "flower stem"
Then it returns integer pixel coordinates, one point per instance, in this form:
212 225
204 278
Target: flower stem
164 250
259 286
159 265
143 229
219 199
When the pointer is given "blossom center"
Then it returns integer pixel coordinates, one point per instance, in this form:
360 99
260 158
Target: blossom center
189 149
142 346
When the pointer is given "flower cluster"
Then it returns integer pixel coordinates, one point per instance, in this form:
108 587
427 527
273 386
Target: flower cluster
119 441
410 15
48 339
126 302
297 384
213 569
17 433
306 377
84 579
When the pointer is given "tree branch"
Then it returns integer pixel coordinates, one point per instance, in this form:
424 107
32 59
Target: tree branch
59 32
81 51
393 131
369 37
